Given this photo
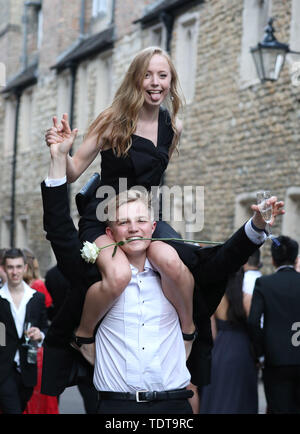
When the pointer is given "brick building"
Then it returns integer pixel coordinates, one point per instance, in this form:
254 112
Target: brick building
239 135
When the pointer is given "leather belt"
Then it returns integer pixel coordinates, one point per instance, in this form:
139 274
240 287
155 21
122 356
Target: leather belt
147 396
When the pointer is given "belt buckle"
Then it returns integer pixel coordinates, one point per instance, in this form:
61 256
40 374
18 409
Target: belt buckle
137 397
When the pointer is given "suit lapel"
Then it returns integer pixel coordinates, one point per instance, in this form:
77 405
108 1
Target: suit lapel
28 311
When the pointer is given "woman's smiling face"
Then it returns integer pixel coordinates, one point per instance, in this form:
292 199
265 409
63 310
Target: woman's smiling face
157 80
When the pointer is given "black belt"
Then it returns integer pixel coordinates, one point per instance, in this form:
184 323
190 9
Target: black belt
146 396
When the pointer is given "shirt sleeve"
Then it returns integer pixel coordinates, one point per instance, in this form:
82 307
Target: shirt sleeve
55 182
257 237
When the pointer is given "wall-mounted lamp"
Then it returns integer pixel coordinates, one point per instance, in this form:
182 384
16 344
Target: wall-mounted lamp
269 55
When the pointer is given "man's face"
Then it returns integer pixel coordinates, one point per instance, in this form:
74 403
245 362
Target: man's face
15 269
133 221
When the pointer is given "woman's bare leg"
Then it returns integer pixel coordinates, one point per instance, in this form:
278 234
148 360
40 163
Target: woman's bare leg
177 284
116 275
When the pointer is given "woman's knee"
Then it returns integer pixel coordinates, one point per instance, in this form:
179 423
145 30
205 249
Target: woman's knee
167 261
165 257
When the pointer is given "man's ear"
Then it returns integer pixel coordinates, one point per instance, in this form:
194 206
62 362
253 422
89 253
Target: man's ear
153 226
109 232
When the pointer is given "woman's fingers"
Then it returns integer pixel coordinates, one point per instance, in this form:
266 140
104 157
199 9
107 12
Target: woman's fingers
56 125
65 123
55 122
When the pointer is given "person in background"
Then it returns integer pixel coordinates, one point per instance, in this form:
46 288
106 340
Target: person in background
277 297
59 287
251 273
38 403
22 310
233 388
33 279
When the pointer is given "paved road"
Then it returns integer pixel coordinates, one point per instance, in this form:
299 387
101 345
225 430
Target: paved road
71 401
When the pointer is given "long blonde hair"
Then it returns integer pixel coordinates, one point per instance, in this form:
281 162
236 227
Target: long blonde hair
117 123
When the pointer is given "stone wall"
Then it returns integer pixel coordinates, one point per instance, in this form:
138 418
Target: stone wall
235 139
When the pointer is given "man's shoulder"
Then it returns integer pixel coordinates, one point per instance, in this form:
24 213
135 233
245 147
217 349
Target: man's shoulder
266 278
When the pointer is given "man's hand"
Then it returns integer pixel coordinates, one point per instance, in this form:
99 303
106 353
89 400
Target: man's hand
277 209
59 137
34 334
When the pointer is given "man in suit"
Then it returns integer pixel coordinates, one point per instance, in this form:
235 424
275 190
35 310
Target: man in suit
59 287
226 258
18 304
277 297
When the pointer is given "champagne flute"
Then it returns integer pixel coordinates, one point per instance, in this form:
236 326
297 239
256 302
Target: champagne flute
266 212
27 326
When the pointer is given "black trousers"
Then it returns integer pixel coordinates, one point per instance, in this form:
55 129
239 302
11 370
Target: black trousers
172 406
282 389
89 395
13 394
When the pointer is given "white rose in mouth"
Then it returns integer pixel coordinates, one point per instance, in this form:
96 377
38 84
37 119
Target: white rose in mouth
89 252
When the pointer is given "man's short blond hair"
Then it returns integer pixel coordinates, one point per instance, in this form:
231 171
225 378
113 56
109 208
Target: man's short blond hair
123 198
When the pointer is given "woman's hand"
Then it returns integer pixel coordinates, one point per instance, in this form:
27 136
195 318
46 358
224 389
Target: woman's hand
59 137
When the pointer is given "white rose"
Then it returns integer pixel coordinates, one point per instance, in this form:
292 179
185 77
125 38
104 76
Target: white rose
89 252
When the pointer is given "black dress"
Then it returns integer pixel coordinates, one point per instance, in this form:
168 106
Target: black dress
143 166
233 388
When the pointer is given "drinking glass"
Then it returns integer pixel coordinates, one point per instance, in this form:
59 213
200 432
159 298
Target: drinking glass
27 326
265 209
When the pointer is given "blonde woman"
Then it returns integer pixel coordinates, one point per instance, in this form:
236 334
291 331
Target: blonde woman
136 138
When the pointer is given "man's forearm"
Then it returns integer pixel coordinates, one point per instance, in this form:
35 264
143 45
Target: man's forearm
58 166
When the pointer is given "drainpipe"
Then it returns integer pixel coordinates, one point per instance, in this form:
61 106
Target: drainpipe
73 69
13 175
168 21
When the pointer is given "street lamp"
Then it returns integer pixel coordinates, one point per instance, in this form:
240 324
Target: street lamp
269 55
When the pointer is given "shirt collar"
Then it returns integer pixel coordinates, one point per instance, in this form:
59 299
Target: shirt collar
5 292
147 266
284 266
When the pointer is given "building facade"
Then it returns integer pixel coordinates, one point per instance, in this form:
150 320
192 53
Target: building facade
239 135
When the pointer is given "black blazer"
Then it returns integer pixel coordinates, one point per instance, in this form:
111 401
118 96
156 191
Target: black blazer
35 313
277 297
210 266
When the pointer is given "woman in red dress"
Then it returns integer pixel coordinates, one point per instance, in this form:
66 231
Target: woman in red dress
39 403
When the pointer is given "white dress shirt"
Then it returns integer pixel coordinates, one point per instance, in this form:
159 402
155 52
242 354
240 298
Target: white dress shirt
250 277
139 344
18 313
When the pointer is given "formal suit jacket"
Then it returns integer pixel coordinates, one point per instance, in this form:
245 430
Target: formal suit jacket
277 297
210 266
37 315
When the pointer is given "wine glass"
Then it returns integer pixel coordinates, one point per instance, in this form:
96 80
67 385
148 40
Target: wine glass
265 209
27 326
